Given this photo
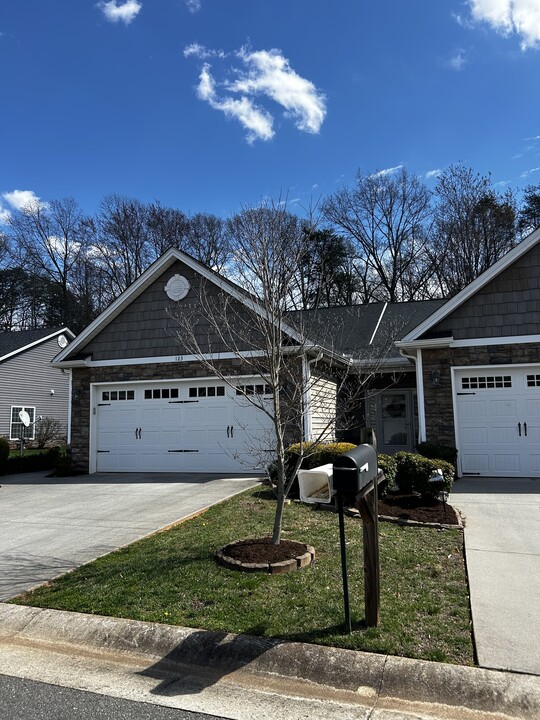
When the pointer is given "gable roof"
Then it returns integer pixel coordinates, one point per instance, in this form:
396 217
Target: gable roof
143 282
447 308
14 343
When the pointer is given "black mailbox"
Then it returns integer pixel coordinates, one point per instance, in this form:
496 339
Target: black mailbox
355 469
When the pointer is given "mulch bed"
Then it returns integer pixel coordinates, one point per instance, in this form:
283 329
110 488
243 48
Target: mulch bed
262 550
418 509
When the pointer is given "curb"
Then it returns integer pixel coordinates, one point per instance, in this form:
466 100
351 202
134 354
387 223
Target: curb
379 678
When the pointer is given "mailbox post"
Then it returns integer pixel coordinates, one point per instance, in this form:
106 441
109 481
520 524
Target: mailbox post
356 474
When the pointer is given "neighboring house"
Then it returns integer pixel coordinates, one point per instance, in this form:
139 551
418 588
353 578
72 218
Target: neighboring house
462 372
29 382
477 363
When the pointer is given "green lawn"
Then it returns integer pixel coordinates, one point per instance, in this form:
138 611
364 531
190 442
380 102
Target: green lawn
172 577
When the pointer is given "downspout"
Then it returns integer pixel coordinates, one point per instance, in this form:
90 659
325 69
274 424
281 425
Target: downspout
70 398
417 359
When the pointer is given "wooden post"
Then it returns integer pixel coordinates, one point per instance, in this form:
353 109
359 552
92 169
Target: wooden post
368 507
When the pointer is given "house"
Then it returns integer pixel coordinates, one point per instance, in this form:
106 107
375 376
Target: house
462 372
28 381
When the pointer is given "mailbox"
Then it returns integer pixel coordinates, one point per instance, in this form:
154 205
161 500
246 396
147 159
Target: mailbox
355 469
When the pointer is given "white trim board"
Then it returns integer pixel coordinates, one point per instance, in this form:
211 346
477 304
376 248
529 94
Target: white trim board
476 285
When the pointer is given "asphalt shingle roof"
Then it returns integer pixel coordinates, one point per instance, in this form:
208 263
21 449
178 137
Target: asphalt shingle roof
12 341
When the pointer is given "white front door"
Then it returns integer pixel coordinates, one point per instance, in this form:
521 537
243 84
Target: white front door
498 420
181 426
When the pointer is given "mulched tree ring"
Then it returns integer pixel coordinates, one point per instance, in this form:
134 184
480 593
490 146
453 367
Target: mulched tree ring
261 555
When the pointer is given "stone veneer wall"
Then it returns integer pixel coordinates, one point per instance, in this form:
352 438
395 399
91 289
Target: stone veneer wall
438 399
82 377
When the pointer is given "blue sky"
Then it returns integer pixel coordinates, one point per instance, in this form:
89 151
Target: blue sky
208 105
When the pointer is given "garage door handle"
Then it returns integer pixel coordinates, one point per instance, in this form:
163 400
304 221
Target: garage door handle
232 431
228 428
525 428
519 429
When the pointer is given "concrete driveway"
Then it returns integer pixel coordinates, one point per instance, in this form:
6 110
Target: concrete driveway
502 548
51 525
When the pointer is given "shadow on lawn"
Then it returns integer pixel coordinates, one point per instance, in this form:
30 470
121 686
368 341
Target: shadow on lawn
203 658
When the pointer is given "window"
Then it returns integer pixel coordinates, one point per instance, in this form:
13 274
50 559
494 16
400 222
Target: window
207 391
17 428
108 395
533 380
161 393
486 382
254 390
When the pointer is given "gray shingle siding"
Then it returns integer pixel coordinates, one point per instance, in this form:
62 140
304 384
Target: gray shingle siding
508 305
149 327
27 379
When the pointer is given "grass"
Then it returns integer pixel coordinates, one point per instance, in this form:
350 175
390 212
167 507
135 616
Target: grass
172 578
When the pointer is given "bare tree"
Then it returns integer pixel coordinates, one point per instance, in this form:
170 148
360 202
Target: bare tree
385 216
167 227
529 213
121 240
474 226
49 240
209 240
251 323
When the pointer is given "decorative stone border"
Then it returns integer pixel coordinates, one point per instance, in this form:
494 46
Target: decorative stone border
274 568
416 523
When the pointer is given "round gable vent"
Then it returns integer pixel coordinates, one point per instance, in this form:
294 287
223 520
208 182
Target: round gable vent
177 288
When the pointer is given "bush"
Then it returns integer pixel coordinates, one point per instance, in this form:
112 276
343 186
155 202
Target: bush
32 463
49 432
414 472
438 452
388 464
4 454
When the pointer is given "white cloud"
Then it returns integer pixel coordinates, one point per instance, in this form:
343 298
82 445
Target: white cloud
386 171
126 12
193 5
256 120
527 173
458 60
521 17
21 199
433 173
202 52
270 74
265 73
534 138
4 215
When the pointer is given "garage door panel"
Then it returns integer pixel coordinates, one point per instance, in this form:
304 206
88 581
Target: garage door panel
497 422
150 432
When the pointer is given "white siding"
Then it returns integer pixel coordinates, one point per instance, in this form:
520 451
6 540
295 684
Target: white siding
28 378
323 398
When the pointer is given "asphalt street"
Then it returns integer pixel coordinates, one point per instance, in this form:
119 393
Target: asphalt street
30 700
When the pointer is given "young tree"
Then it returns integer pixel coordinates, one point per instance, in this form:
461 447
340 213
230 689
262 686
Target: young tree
474 226
251 324
385 216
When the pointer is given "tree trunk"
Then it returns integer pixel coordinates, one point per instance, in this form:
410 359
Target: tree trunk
278 520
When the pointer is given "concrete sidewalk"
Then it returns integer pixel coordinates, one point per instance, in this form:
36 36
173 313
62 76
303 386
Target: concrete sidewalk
502 548
52 525
249 678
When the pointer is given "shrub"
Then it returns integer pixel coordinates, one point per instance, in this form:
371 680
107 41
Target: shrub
388 464
32 463
49 432
414 472
4 454
438 452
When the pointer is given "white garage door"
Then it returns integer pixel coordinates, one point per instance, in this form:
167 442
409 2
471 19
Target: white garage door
498 420
181 426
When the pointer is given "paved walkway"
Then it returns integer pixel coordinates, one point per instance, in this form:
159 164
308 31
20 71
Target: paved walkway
502 547
52 525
